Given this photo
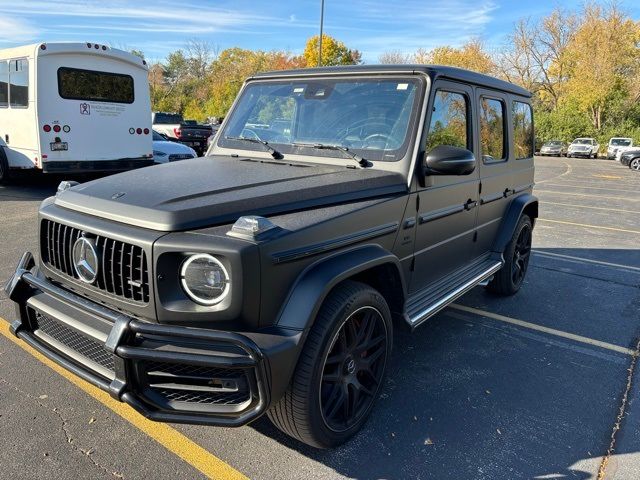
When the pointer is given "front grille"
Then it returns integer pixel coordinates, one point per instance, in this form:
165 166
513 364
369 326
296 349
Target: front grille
180 156
196 384
85 346
123 270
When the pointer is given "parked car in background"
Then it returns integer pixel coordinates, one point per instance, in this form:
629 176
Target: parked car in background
167 151
617 143
187 132
583 147
629 155
72 108
556 148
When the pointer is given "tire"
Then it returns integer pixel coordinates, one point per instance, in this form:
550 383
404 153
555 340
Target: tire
509 279
333 364
635 164
4 167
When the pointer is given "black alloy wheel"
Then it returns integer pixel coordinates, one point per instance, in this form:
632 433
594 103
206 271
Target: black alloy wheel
341 368
353 369
521 255
635 164
510 277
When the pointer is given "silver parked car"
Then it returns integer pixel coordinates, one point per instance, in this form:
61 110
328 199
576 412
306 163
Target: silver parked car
555 148
583 147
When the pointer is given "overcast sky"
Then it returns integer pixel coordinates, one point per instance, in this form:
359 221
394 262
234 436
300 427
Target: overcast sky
158 27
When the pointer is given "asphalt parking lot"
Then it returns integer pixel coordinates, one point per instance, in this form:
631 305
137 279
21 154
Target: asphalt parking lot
533 386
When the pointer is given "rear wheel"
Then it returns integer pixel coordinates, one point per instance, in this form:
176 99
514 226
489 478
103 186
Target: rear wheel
635 164
341 368
4 167
510 278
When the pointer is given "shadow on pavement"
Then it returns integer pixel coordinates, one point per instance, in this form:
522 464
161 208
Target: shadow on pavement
467 397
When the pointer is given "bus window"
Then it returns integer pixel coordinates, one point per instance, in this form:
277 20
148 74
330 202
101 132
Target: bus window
19 83
77 84
4 84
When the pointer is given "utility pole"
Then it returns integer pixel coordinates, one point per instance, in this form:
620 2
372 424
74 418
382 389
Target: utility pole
320 40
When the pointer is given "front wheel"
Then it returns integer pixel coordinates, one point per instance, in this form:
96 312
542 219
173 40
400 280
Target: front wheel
635 164
510 278
341 368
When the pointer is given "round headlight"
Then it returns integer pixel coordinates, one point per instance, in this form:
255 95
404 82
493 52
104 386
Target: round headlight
205 279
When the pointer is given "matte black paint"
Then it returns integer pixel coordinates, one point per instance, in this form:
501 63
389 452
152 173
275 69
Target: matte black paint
400 232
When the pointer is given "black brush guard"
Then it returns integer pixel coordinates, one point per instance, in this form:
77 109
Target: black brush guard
128 341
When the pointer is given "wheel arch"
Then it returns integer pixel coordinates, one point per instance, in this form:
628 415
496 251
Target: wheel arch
522 204
369 264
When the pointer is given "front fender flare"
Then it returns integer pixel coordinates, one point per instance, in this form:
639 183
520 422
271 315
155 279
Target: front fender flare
317 280
509 223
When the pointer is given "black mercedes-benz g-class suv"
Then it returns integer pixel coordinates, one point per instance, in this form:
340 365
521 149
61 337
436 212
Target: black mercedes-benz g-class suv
334 205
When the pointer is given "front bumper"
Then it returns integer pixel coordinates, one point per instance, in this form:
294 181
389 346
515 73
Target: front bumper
167 373
580 153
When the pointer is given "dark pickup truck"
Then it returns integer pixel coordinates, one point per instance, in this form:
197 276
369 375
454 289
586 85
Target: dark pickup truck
187 132
336 206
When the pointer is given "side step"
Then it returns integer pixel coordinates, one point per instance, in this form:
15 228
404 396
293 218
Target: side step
427 302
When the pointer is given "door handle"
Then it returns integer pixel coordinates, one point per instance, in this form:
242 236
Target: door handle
470 204
508 191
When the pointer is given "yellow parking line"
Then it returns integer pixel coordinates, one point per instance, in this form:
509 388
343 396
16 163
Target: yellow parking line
591 208
610 177
540 328
613 188
588 226
169 438
626 199
586 260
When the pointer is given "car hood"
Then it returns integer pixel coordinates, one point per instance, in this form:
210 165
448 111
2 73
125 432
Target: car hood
216 190
171 147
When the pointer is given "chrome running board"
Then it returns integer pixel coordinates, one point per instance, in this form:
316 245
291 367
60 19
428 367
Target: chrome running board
424 304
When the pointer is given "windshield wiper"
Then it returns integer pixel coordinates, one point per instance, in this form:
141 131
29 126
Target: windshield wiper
274 153
338 148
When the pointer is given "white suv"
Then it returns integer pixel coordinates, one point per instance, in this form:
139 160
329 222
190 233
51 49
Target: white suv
583 147
617 144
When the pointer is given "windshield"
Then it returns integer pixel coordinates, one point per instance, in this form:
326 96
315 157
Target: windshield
621 142
157 136
167 118
369 117
553 144
582 141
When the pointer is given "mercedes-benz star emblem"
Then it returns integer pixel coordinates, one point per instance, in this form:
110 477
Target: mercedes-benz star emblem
85 259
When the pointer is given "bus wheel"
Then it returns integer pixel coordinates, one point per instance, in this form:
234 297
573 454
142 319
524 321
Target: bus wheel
4 167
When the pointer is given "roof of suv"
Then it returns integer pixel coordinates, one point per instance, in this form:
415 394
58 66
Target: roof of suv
434 71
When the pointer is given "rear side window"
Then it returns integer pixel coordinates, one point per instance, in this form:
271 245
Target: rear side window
77 84
19 83
522 130
492 131
4 84
167 118
449 121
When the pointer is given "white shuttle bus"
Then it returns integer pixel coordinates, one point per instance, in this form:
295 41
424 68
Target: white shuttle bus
73 107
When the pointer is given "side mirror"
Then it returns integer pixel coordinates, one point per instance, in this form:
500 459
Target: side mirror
448 160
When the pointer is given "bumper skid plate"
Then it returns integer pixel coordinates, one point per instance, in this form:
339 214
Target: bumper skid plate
167 373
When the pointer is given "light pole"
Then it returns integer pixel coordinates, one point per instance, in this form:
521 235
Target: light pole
320 40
